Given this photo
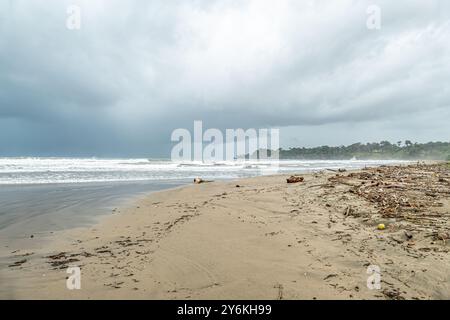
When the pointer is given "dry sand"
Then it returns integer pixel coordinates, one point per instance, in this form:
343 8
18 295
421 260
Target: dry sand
262 239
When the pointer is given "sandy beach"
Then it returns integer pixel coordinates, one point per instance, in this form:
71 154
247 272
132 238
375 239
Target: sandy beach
256 238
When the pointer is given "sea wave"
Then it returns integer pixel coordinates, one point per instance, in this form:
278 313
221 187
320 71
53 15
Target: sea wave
76 170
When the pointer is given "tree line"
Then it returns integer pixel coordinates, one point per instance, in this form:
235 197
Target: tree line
406 150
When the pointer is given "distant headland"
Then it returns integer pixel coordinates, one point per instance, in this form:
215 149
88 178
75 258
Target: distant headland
400 150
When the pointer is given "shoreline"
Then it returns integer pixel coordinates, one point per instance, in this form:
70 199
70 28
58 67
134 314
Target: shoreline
40 210
262 240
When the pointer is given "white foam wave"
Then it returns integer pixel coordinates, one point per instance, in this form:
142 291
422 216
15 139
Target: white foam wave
75 170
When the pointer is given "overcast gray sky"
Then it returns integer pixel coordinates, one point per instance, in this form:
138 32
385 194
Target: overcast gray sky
136 70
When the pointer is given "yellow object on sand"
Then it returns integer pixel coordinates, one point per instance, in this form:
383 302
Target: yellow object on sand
381 226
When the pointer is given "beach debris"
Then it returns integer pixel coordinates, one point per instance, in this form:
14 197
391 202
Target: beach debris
57 256
443 236
381 226
200 180
295 179
330 276
393 294
105 251
62 260
18 263
399 241
280 288
349 211
338 170
412 194
115 285
26 254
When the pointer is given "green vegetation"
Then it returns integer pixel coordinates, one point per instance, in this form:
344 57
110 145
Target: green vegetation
383 150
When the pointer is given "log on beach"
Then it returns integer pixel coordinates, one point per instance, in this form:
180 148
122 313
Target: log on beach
295 179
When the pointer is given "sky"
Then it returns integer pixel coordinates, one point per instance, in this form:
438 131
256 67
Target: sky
134 71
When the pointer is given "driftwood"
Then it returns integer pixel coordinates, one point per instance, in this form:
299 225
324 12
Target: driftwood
200 180
338 170
295 179
409 193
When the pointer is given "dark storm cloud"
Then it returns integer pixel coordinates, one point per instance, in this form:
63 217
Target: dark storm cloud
137 70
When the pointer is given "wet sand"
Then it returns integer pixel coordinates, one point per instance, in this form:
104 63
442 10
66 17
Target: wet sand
38 210
257 238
